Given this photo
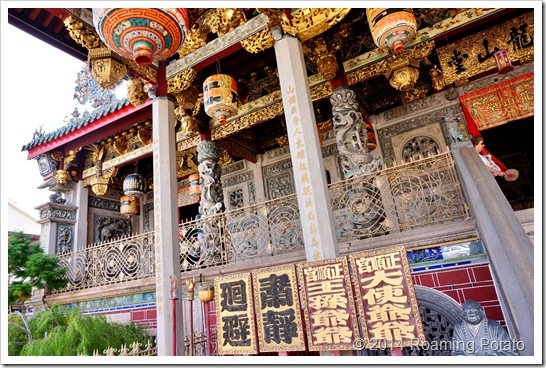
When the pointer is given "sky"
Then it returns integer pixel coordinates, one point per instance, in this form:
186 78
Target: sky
38 84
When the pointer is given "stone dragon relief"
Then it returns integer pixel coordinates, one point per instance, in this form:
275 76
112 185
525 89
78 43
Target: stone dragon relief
350 135
212 196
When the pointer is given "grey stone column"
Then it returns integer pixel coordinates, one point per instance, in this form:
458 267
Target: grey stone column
319 232
81 199
212 196
508 247
167 250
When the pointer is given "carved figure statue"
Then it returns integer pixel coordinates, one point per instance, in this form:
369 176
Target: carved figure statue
64 241
57 197
174 287
452 125
476 335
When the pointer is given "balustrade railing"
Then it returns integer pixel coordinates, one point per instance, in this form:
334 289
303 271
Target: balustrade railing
411 196
121 260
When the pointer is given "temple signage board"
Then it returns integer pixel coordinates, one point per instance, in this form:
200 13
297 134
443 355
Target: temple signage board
473 55
386 299
236 333
328 304
278 312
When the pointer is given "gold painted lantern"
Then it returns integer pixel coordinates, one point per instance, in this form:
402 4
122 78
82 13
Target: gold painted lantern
392 28
206 293
220 97
142 34
129 206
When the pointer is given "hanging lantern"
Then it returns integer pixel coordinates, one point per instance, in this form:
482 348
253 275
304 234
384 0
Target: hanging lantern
220 97
195 189
392 29
129 206
134 185
503 61
142 34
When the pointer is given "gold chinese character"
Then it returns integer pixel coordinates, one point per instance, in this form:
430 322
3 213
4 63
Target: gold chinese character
301 154
383 262
299 143
292 100
391 278
333 335
386 294
314 242
330 318
313 229
297 131
307 190
395 330
309 202
303 166
290 89
332 301
296 120
328 272
305 178
316 255
388 312
310 216
293 110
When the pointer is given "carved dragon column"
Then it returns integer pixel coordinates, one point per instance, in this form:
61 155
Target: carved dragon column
212 197
351 134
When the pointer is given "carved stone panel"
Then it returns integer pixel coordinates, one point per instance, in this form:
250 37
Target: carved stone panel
434 134
65 239
107 228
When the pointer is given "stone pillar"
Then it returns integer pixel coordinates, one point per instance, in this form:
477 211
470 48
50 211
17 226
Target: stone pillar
314 203
81 199
508 247
167 253
57 220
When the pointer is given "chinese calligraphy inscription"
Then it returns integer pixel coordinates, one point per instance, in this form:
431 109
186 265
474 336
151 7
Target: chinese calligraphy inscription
328 304
278 309
235 315
386 299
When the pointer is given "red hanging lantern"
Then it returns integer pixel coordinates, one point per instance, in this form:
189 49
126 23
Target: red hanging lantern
391 28
503 61
195 189
142 34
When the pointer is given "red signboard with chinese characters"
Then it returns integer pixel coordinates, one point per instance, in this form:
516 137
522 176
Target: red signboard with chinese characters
328 304
235 315
278 312
386 299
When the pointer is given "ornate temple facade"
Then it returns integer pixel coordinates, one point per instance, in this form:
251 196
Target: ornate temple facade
326 202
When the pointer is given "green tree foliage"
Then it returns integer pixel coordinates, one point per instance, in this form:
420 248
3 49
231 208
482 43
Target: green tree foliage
31 267
59 331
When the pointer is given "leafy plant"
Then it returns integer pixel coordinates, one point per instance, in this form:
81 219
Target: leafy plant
62 332
31 267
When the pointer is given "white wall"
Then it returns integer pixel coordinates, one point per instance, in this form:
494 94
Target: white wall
19 220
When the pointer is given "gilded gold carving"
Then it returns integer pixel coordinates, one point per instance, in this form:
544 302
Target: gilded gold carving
225 20
144 134
310 22
413 94
62 177
367 72
188 143
277 17
225 158
255 117
186 164
107 67
403 68
187 98
473 55
83 34
318 51
258 42
437 78
181 81
147 72
194 40
135 91
321 91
